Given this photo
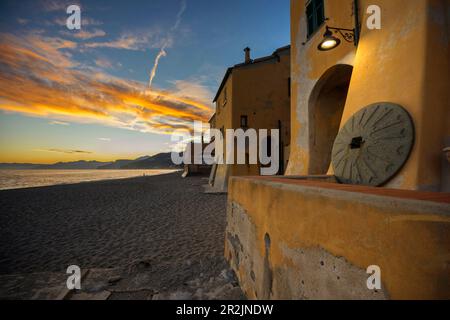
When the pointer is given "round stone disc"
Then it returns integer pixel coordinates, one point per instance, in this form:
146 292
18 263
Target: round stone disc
373 145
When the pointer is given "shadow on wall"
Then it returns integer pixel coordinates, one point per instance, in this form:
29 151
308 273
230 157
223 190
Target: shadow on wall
326 106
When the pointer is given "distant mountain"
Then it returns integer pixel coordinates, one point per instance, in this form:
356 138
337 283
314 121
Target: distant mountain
142 158
118 164
86 165
159 161
18 166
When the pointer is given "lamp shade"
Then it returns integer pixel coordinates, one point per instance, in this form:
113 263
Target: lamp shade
329 42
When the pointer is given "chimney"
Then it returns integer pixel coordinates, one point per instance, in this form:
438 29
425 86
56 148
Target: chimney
247 55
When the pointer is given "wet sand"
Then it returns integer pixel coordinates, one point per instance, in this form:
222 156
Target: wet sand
163 236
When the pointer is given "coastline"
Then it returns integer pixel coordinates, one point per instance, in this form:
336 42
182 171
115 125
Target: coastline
26 176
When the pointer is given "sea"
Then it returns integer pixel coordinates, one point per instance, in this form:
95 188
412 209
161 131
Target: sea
16 179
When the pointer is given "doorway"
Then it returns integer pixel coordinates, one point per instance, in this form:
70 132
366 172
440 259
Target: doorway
326 106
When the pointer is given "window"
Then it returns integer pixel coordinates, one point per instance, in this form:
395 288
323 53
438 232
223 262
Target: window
315 15
244 122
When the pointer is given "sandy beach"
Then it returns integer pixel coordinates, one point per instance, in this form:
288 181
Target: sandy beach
157 237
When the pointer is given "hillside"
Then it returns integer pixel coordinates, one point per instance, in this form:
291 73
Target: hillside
76 165
159 161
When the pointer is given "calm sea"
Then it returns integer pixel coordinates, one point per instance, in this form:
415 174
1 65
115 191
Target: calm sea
15 179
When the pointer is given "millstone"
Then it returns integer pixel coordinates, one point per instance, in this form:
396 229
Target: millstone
373 145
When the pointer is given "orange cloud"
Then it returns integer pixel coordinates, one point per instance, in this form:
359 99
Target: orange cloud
67 151
38 77
103 63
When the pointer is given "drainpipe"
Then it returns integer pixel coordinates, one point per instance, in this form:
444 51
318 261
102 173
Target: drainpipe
357 23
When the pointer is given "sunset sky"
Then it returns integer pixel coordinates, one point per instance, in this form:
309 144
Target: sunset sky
84 94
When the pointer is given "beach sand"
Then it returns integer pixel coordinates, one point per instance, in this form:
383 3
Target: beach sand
157 237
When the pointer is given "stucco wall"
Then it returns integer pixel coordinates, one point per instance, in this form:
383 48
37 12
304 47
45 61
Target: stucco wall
223 119
402 63
224 112
308 65
288 239
261 93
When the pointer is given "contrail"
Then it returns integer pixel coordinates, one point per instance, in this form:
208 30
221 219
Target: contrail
179 15
162 52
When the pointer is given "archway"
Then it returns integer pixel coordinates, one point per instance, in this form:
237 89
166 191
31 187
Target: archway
326 105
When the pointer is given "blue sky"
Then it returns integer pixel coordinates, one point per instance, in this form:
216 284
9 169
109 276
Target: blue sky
117 46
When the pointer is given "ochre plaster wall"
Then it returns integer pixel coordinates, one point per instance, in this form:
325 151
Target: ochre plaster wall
406 62
288 239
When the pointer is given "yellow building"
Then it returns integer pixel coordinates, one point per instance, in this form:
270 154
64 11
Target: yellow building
405 62
307 236
254 94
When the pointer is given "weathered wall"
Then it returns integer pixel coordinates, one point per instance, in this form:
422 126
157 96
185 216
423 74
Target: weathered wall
308 65
326 105
288 239
224 110
436 100
223 120
262 93
403 63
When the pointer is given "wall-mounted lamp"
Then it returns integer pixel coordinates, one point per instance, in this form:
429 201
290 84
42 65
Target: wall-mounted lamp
330 42
447 153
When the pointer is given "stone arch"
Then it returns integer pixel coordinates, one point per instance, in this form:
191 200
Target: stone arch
325 108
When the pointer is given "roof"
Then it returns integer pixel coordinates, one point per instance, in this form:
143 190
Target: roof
274 55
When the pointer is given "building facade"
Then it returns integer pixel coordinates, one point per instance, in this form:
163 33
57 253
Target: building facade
254 94
308 236
402 63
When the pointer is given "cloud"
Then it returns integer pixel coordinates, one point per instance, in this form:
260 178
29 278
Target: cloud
167 42
60 123
53 5
194 87
105 139
86 35
66 151
160 54
35 46
22 21
38 77
85 21
127 42
183 7
137 41
58 5
103 63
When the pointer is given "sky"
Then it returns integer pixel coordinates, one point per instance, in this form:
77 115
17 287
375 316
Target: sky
133 73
